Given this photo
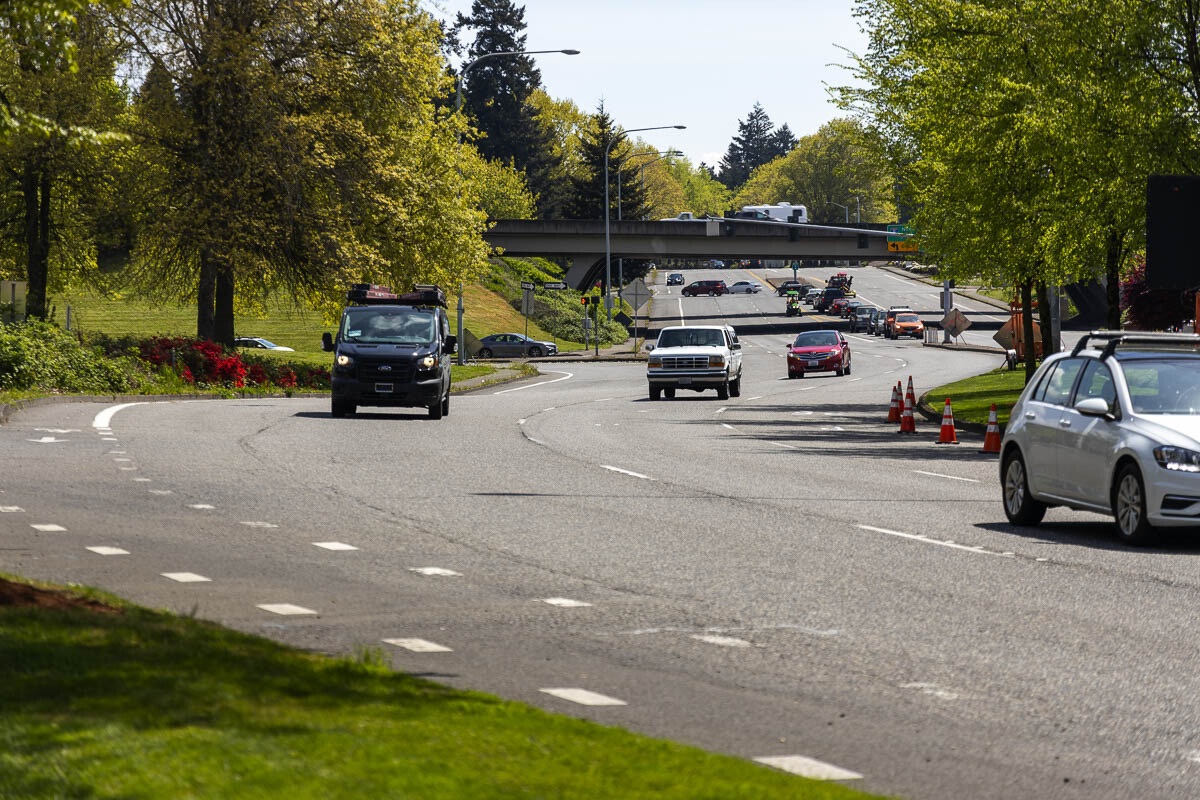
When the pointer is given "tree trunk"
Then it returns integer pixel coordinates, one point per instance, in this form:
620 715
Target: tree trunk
35 254
205 292
223 307
1027 329
1046 320
1112 273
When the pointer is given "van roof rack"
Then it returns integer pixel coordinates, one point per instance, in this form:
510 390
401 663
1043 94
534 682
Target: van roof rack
1114 339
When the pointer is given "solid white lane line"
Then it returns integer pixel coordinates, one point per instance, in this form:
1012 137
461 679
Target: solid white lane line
108 551
626 472
724 641
258 524
565 376
940 475
920 538
48 528
419 645
808 768
334 546
186 577
583 697
565 602
11 510
286 609
447 573
104 418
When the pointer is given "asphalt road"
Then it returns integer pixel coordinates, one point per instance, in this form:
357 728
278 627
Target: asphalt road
779 574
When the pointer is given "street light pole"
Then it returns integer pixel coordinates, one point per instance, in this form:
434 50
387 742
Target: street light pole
458 86
607 214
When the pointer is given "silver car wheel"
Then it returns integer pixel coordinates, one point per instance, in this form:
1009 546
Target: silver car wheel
1129 505
1014 487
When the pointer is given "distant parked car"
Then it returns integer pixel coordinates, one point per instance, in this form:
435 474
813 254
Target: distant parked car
514 345
258 343
675 279
745 287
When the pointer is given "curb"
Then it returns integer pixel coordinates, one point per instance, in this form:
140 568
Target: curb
931 415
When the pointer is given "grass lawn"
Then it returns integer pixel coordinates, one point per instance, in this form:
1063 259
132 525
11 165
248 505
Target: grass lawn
142 704
972 398
485 312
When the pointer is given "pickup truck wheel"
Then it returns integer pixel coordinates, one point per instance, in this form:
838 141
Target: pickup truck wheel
655 393
670 393
735 386
723 391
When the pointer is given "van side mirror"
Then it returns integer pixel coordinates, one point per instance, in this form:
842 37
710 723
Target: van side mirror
450 345
327 342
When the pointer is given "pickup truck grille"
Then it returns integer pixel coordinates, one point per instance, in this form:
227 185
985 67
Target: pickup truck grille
397 372
685 362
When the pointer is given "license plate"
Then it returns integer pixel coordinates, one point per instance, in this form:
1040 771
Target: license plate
685 381
814 363
383 388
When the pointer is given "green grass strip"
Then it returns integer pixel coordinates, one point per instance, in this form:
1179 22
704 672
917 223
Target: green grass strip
971 398
143 704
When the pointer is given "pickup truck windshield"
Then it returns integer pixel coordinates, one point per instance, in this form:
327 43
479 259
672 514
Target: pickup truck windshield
691 337
389 326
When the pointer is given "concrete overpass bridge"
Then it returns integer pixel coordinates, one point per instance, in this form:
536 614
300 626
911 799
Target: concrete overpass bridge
582 241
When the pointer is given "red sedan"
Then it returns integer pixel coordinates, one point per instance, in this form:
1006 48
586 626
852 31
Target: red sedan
818 351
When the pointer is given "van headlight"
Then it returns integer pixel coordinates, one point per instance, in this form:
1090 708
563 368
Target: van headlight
344 360
1177 459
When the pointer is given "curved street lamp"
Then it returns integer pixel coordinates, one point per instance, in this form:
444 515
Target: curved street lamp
607 233
458 86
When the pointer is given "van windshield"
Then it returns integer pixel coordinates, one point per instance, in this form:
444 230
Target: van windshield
389 326
691 337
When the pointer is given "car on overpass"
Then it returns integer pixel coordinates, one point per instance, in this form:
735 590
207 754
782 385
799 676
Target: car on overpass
1111 427
710 288
695 358
818 351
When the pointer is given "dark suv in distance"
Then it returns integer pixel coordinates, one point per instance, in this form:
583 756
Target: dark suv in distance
709 288
675 279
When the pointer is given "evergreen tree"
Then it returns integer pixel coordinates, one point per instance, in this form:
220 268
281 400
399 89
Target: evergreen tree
587 195
756 143
496 94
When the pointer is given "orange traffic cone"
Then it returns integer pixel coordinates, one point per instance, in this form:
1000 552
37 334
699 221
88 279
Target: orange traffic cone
894 408
947 435
991 440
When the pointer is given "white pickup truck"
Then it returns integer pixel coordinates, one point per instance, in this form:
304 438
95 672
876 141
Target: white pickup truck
697 358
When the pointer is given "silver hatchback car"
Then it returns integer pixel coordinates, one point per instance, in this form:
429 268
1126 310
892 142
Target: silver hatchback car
1113 427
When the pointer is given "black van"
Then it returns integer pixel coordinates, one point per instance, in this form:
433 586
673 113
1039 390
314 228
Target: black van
391 350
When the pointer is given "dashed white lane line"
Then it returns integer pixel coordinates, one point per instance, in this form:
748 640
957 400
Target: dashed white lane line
809 768
258 524
48 528
723 641
286 609
940 542
11 510
584 697
104 418
949 477
440 571
564 602
565 376
334 546
186 577
108 551
201 506
419 645
626 472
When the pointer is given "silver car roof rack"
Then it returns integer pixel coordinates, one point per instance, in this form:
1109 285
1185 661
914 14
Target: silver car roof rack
1115 339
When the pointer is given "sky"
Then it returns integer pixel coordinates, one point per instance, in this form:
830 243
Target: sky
699 63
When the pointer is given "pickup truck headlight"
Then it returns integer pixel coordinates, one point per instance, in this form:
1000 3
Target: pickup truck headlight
1177 459
716 361
344 360
654 361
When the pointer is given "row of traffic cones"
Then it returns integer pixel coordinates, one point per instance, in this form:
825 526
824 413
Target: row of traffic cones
901 410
